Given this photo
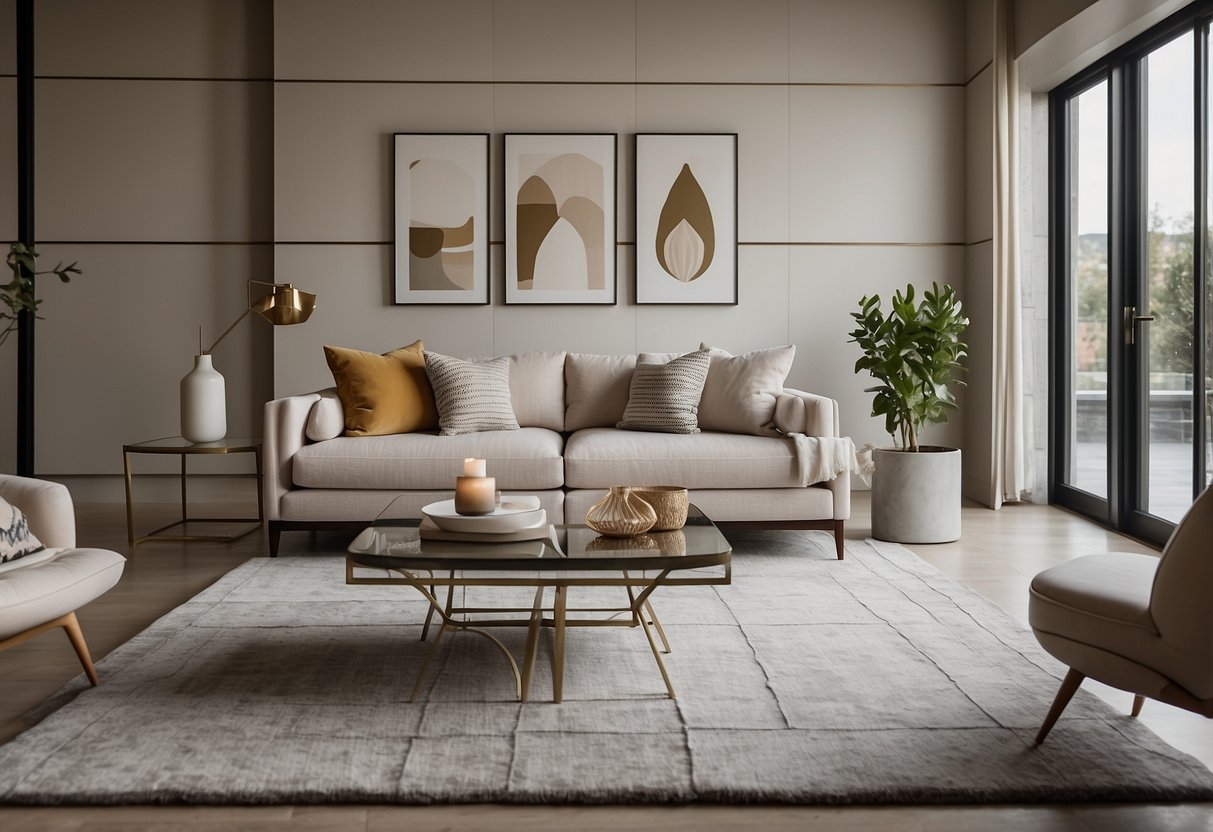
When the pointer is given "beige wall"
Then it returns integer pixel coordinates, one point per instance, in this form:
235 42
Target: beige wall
185 146
851 178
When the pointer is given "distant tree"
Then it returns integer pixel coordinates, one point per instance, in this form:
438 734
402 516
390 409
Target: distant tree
1172 294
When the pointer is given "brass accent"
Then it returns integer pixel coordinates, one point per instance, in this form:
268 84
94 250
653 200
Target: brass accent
184 448
285 306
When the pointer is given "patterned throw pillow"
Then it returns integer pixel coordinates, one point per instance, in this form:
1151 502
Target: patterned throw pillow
665 397
471 396
16 540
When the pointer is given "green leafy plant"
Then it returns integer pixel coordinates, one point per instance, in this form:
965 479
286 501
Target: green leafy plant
18 294
914 353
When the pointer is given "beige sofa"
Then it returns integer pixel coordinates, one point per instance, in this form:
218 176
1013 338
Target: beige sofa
567 453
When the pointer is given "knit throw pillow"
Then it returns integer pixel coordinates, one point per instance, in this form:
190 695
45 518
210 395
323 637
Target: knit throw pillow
16 540
664 398
471 396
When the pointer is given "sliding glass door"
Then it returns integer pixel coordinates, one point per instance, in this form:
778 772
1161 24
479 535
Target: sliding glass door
1131 330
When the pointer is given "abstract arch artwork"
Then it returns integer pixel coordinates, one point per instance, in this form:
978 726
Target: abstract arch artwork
560 218
686 218
441 225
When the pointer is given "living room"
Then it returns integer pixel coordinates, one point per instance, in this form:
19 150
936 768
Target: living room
178 151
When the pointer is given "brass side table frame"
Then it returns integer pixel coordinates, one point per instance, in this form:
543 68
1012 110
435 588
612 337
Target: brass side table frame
632 576
183 448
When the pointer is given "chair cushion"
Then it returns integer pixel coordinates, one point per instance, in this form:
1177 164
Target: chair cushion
519 459
602 457
54 586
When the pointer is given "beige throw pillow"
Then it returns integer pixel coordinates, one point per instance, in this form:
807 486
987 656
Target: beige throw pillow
471 395
665 397
740 392
596 389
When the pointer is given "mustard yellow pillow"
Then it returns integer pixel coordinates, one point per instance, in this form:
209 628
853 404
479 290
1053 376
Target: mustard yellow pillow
383 394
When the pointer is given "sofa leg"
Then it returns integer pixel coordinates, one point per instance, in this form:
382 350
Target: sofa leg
275 531
839 539
1069 687
76 637
1138 701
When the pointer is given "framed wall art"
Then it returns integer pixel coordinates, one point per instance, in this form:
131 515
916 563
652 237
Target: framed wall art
686 218
560 218
441 222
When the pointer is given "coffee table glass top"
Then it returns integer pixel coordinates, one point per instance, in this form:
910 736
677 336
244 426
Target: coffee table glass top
396 543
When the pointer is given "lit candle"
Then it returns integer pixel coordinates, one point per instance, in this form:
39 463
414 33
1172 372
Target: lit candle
475 494
473 467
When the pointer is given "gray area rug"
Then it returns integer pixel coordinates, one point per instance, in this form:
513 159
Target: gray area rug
808 680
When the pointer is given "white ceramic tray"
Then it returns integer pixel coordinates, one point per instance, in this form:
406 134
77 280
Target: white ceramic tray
513 514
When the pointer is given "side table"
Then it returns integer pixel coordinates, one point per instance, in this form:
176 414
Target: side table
184 448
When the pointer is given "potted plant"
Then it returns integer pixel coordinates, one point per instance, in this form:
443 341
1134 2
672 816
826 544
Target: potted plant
18 293
914 353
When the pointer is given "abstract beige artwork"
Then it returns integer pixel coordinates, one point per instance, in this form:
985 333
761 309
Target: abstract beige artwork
560 219
686 218
441 218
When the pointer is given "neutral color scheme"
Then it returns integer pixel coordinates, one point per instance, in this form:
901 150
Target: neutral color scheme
916 496
471 396
1135 622
597 387
981 683
42 590
382 394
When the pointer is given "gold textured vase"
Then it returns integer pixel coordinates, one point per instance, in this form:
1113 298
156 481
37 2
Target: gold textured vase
620 514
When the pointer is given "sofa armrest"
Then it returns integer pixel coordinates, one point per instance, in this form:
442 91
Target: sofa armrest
48 507
799 412
285 433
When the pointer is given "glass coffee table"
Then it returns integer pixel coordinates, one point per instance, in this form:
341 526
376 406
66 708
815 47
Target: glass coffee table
571 556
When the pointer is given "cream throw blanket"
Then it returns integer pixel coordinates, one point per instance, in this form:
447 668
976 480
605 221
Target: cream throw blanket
822 458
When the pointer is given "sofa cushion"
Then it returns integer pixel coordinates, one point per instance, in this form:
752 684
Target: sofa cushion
383 394
472 396
16 539
741 390
601 457
596 389
665 397
518 459
537 389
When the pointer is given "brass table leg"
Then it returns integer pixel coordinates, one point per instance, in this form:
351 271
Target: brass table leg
425 665
558 620
532 643
130 515
665 642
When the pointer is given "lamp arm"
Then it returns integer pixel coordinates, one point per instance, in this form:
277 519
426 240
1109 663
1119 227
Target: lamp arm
211 348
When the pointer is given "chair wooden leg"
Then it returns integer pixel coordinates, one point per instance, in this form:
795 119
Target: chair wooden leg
76 637
1069 686
1138 701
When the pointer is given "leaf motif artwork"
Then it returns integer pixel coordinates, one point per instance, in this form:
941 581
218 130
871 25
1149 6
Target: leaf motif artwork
686 235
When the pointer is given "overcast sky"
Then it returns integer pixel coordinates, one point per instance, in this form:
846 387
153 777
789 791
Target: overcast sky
1169 141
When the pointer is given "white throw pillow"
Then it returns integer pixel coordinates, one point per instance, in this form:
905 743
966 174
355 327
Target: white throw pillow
665 397
740 392
16 539
471 396
326 419
537 389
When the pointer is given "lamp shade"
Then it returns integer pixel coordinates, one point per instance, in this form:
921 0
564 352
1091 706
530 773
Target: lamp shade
285 306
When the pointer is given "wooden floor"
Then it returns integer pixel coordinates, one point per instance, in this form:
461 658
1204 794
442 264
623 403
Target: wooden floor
998 555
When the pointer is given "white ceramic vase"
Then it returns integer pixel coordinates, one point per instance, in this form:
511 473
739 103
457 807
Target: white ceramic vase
203 402
916 496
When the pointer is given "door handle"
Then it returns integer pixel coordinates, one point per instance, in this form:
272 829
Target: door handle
1130 321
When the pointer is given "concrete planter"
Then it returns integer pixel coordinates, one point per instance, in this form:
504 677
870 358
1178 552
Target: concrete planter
916 496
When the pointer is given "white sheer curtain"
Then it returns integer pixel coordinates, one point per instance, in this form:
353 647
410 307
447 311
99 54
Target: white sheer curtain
1012 427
